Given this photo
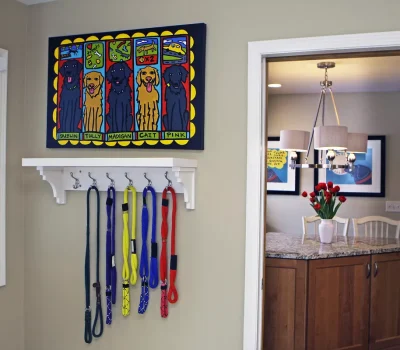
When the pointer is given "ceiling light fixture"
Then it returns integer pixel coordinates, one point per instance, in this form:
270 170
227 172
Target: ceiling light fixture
274 85
331 139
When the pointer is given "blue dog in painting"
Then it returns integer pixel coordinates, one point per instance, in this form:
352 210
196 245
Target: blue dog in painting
70 97
120 117
177 116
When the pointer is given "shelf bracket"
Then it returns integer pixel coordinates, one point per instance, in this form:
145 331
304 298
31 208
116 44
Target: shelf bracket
55 179
186 177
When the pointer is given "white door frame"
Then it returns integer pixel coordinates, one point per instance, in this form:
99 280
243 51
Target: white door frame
3 128
256 135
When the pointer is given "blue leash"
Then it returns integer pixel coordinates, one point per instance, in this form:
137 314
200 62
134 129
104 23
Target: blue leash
153 282
144 260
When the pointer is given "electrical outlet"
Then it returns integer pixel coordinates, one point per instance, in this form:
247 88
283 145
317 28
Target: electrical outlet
393 207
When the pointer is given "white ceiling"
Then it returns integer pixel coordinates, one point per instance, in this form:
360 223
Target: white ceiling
369 74
34 2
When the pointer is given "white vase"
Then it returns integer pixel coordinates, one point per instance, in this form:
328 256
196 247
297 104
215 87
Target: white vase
326 229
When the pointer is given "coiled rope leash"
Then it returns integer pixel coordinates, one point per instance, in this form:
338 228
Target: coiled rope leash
126 307
111 270
144 261
172 293
99 313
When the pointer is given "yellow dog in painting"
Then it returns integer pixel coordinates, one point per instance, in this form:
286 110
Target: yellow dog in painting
147 97
93 116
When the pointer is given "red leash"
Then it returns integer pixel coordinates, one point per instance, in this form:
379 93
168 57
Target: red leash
172 293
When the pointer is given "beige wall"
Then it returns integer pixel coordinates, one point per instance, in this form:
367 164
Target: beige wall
371 113
211 238
12 38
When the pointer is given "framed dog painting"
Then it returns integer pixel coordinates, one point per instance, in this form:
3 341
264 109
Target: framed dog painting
281 179
136 88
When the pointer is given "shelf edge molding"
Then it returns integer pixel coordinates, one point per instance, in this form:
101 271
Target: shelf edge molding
57 172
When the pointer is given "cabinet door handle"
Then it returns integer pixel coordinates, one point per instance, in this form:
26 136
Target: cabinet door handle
368 270
376 270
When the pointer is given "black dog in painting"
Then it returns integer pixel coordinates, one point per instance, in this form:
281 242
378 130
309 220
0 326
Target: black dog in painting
70 97
120 116
177 116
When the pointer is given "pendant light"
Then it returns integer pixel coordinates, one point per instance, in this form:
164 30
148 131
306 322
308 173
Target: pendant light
327 138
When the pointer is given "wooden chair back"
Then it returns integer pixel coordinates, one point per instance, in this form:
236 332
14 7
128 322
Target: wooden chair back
376 226
316 219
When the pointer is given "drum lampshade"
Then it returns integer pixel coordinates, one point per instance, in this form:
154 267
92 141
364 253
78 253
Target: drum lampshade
330 137
294 140
357 143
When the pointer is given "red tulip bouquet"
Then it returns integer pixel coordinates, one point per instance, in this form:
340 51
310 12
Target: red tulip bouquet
326 200
326 203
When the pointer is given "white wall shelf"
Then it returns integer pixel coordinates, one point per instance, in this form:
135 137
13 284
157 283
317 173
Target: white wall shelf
57 172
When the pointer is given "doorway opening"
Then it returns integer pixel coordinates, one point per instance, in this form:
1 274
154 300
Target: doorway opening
260 55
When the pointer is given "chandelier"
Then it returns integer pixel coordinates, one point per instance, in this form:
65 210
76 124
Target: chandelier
332 139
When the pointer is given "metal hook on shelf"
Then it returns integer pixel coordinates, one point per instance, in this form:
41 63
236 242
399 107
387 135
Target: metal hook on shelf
112 184
77 184
169 181
94 180
148 180
130 180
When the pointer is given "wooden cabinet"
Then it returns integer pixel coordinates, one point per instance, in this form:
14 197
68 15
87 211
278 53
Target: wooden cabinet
285 304
338 304
385 302
331 304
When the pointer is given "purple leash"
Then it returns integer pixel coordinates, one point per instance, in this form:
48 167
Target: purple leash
111 270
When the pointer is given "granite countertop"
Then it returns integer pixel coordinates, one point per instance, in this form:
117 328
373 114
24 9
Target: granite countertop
289 246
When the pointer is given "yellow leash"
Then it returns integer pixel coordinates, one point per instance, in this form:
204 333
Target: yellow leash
126 277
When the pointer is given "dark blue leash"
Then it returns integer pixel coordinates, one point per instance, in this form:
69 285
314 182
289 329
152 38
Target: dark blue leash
111 270
88 311
144 261
99 312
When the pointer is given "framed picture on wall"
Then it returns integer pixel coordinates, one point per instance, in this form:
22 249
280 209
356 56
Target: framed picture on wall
281 179
367 179
137 88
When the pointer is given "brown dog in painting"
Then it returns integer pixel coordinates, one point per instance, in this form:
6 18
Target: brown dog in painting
93 116
147 97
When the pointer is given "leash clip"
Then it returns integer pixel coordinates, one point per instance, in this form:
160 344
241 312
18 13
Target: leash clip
98 290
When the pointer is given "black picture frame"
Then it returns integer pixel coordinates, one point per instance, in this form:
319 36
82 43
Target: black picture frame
382 169
296 190
112 134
